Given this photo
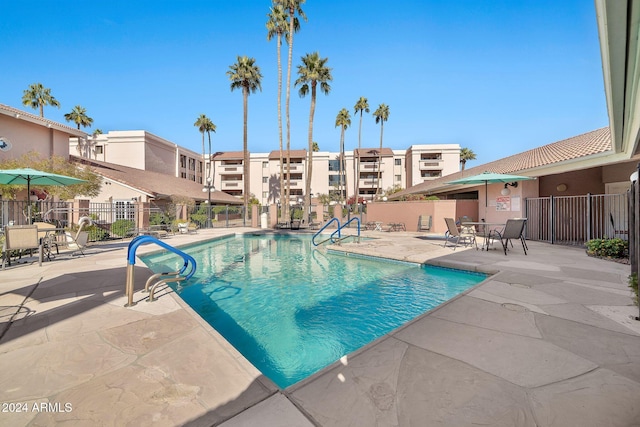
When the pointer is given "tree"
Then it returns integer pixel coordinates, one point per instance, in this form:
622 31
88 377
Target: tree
381 115
55 164
316 147
204 124
79 116
361 106
277 26
343 119
37 96
466 154
312 71
293 7
245 75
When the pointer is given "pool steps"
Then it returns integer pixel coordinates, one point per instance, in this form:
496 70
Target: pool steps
173 276
338 239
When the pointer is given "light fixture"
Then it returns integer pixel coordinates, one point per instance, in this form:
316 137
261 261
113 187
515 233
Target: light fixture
384 198
561 188
505 191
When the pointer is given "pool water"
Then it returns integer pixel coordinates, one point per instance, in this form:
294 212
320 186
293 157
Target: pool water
292 309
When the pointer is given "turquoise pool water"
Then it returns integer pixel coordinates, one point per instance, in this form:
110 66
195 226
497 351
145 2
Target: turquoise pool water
291 309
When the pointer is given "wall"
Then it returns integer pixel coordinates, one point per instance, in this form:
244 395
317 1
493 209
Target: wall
577 183
26 137
408 212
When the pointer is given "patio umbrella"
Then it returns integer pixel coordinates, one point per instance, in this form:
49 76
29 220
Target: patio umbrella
489 178
36 177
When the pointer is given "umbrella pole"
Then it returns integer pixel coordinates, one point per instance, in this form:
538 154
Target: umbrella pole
28 200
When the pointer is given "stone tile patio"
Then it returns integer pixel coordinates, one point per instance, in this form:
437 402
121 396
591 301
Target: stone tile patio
547 340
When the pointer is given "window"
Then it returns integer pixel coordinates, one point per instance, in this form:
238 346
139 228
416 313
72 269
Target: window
124 209
192 164
183 174
265 164
398 178
265 179
265 194
398 162
99 149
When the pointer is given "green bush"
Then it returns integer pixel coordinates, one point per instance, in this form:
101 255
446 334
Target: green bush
633 284
610 248
122 226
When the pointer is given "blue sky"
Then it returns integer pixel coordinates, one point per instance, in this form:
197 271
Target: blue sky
496 76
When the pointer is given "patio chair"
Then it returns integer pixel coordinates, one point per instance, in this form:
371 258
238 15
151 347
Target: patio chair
47 236
466 235
78 242
19 237
513 229
424 223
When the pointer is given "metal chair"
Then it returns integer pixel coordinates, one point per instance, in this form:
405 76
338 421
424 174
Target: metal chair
466 235
513 229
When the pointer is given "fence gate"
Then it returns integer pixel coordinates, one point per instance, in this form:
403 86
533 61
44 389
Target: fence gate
573 220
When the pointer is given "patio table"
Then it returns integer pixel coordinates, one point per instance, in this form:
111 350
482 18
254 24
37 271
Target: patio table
486 234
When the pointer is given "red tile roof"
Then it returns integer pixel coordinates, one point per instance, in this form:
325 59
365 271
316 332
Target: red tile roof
294 154
373 152
154 183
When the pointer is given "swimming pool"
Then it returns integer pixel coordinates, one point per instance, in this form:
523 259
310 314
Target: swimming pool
292 310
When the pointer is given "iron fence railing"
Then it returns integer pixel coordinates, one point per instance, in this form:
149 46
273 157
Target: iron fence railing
574 220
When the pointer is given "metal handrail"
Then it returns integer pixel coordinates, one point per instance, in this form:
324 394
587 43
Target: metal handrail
313 239
355 218
131 260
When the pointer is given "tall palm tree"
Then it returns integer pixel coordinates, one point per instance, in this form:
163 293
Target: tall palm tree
361 106
343 119
245 75
204 124
316 147
293 7
37 96
277 26
312 71
381 115
79 116
466 154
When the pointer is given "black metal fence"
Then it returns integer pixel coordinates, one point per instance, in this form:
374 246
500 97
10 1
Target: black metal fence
574 220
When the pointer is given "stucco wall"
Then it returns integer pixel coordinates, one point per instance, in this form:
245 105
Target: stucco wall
26 136
576 182
408 212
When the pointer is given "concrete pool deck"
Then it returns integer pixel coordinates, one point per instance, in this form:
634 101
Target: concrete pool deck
546 341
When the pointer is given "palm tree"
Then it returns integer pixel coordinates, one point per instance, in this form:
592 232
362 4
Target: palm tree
381 115
361 106
277 26
293 7
245 75
37 96
204 124
312 71
316 147
343 119
466 154
79 116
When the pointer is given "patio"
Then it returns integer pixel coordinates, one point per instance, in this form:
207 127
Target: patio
547 341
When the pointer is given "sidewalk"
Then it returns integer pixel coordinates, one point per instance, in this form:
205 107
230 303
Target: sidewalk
545 341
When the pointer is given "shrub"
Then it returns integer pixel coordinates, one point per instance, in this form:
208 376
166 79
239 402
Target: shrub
633 284
122 226
610 248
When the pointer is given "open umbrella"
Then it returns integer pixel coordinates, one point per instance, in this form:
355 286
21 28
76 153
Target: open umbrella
489 178
36 177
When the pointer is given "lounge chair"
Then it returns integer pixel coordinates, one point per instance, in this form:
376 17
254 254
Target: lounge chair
19 237
513 229
466 235
424 223
187 228
76 242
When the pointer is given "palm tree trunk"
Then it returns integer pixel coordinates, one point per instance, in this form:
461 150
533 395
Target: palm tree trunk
280 116
357 179
378 188
312 110
245 172
292 12
208 164
341 157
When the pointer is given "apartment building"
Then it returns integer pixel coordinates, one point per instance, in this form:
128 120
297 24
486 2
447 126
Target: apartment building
143 150
379 171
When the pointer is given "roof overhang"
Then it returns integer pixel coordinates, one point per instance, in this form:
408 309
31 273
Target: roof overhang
618 26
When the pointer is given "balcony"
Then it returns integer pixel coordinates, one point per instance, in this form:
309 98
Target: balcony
430 164
369 167
231 185
230 169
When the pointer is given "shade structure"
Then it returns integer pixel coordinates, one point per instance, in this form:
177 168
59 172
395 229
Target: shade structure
487 178
28 177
